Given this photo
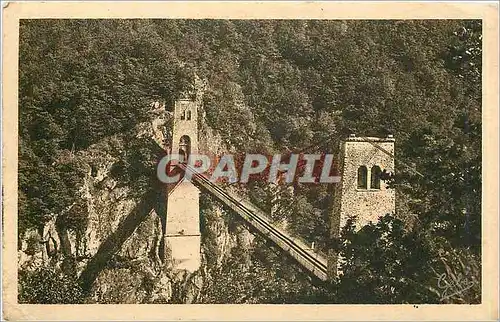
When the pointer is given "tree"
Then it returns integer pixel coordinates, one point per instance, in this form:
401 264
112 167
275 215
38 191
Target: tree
386 263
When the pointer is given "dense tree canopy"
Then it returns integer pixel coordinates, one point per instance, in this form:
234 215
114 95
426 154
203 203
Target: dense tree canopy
272 86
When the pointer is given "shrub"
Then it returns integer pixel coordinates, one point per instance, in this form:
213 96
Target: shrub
48 286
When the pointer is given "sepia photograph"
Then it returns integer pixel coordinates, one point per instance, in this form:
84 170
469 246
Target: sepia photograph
250 161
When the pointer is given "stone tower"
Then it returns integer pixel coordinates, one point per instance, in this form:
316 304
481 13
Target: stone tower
361 191
183 212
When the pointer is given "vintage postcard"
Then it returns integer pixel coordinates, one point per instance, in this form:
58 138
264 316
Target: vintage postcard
250 161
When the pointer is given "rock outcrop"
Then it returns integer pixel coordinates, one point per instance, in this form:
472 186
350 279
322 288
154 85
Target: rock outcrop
117 251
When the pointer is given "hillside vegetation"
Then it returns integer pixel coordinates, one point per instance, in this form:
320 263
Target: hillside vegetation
277 86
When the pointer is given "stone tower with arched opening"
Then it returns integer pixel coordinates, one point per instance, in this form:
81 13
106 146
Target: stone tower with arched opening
362 191
183 238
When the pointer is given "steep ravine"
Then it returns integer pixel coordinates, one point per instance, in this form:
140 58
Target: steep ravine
120 248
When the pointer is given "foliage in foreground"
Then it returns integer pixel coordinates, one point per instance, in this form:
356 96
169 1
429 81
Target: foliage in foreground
386 263
48 285
383 263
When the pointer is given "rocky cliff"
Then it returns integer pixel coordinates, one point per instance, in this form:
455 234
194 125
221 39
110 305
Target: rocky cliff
120 219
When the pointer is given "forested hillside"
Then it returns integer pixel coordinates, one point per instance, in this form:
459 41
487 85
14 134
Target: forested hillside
276 86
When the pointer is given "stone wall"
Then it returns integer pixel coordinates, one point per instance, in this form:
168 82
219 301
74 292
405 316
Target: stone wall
367 204
183 227
183 211
370 203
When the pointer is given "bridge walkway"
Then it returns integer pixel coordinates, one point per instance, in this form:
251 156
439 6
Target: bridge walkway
313 262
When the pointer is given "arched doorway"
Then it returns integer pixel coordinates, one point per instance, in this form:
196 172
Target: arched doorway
184 148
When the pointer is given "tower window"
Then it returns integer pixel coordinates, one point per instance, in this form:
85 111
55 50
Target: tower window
362 177
188 115
375 177
183 115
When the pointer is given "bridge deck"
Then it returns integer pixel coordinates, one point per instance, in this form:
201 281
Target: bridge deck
303 254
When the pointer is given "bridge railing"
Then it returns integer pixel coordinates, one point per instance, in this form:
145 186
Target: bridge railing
295 247
304 244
